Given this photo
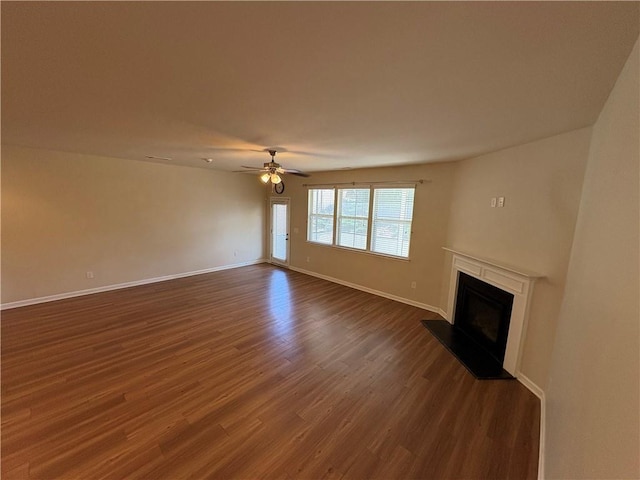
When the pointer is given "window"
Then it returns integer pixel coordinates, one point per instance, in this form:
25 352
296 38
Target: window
391 223
353 218
321 207
374 219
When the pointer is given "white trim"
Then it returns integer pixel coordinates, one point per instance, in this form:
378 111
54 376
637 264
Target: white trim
543 422
358 250
379 293
118 286
279 201
510 268
507 279
538 392
443 314
527 382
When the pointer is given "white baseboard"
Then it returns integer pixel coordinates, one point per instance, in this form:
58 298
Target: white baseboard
527 382
543 422
379 293
118 286
443 314
538 392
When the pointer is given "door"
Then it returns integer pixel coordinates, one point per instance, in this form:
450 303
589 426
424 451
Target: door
279 237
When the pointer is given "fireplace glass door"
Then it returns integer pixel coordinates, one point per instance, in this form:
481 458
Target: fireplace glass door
483 313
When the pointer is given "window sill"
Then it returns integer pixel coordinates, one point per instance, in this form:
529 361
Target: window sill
357 250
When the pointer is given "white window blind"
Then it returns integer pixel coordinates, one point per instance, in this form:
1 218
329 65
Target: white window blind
353 217
391 221
321 211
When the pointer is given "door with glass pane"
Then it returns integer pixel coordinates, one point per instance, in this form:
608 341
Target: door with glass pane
279 237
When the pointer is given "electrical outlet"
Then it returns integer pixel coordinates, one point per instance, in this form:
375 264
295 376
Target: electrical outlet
235 253
494 202
308 259
413 284
89 275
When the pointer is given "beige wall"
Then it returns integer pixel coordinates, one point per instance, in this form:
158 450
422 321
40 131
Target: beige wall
391 276
593 396
541 182
65 214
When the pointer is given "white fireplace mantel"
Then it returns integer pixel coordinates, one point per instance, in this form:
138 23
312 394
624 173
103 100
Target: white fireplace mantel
517 281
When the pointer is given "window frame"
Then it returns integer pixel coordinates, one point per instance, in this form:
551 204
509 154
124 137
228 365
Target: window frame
339 216
370 221
321 215
398 222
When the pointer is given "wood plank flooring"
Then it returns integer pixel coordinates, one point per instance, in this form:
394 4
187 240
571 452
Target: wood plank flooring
255 372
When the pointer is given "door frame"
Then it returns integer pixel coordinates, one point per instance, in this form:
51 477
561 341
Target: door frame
279 201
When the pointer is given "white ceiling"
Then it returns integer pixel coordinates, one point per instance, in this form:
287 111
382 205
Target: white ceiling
338 85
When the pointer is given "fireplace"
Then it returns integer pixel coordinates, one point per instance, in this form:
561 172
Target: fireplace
483 313
516 282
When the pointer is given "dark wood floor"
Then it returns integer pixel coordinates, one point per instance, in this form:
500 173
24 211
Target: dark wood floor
255 372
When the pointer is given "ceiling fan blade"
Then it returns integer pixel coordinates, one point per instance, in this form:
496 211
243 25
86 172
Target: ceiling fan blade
253 168
272 168
297 172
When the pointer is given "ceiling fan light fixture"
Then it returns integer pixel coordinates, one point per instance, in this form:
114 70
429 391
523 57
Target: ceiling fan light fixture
272 171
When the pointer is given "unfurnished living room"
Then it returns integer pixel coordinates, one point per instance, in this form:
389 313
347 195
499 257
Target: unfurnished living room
338 240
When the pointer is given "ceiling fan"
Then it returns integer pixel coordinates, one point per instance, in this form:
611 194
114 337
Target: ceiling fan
272 170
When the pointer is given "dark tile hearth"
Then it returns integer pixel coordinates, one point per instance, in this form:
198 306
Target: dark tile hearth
475 359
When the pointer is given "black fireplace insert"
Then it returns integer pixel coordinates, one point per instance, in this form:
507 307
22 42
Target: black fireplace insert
483 313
